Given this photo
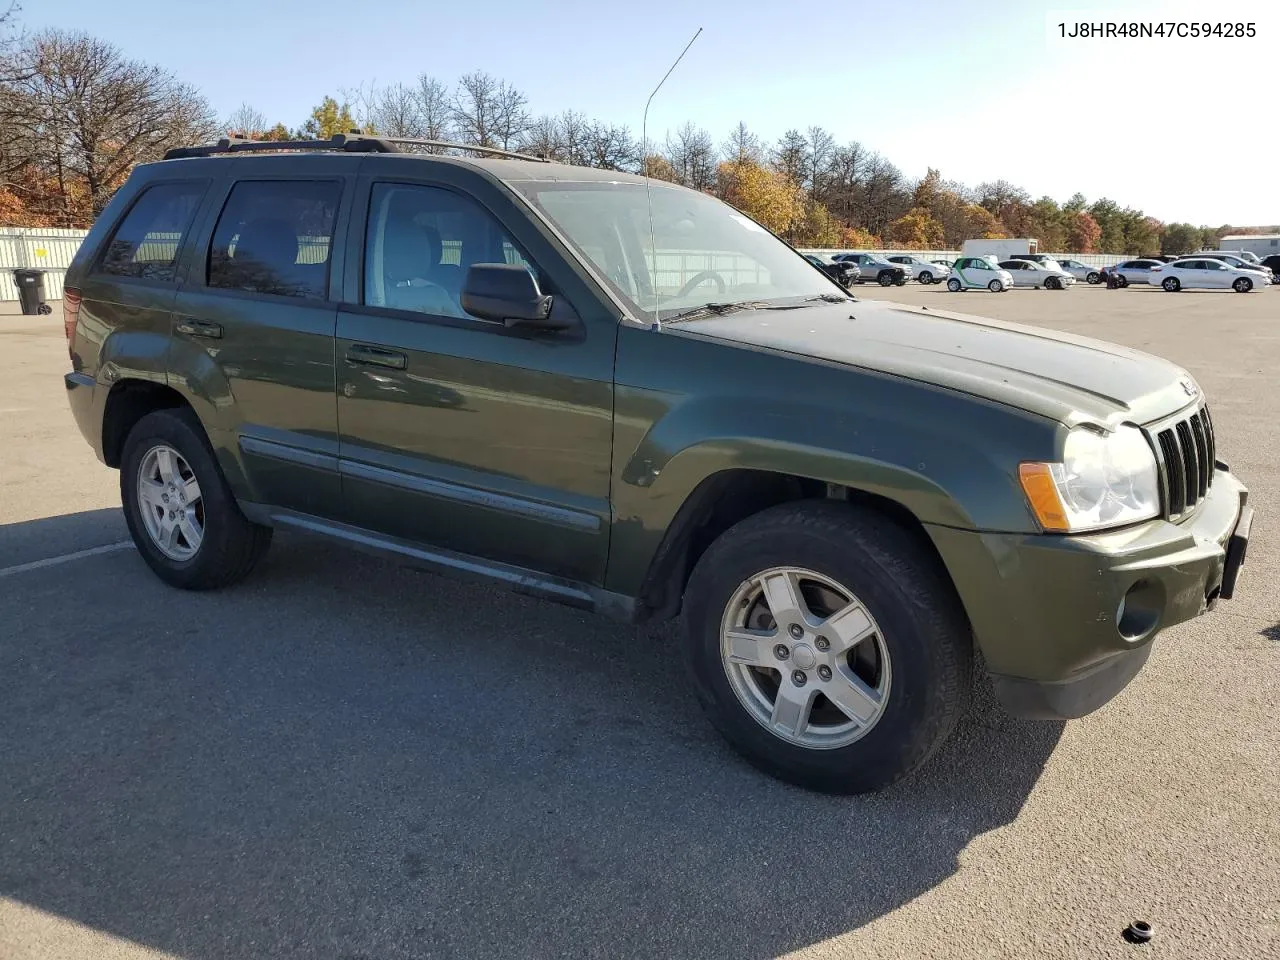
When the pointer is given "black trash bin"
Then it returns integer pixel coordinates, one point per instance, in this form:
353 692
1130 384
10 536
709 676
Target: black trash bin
31 291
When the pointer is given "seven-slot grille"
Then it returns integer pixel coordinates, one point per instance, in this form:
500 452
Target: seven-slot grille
1187 458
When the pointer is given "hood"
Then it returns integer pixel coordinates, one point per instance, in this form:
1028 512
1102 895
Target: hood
1056 375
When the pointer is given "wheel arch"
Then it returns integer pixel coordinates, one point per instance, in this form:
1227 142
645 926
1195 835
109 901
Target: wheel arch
128 402
730 496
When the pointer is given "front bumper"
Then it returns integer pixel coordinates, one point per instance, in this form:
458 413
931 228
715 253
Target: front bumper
1065 622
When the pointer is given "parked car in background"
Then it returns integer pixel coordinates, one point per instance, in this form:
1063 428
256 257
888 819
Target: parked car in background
1131 271
844 272
1272 263
875 267
1206 273
1232 260
926 271
1081 271
945 264
1247 255
1028 273
972 273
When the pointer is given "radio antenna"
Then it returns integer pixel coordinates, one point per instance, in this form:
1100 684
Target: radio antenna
644 165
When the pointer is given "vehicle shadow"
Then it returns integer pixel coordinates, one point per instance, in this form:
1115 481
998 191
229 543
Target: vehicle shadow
342 758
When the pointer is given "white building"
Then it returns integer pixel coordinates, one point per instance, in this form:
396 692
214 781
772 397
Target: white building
1263 244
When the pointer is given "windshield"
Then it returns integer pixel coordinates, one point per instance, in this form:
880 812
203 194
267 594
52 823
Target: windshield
706 252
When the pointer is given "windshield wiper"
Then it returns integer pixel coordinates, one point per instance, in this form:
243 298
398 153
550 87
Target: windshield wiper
718 309
830 298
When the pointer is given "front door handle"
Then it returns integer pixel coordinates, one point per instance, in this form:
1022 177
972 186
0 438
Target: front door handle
200 328
370 355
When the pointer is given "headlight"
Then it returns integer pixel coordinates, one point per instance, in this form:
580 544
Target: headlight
1104 480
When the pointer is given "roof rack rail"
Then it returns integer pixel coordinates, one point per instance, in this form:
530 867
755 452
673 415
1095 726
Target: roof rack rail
354 142
448 145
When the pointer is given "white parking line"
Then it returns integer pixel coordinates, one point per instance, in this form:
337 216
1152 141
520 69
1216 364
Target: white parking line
65 558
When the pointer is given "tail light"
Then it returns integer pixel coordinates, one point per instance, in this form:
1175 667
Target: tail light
70 315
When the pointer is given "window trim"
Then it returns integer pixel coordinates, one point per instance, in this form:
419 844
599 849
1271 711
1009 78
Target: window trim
337 231
96 272
467 322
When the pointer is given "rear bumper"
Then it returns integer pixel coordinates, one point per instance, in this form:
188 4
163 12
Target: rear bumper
1064 623
86 402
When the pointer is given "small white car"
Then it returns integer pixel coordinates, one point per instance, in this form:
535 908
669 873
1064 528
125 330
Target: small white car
918 268
1203 273
1029 273
1081 271
977 273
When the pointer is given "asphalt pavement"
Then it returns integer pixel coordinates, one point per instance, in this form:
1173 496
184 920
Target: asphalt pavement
345 759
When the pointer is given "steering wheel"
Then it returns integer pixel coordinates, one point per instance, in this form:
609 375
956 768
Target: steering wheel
698 278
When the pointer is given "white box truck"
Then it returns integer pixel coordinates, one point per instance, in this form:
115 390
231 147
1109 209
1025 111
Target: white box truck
1000 249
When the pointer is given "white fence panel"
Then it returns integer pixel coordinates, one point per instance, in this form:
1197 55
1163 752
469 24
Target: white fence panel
40 248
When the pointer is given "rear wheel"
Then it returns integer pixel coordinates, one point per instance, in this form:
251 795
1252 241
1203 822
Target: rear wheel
995 286
826 647
1171 284
182 515
1243 285
953 285
925 277
1092 277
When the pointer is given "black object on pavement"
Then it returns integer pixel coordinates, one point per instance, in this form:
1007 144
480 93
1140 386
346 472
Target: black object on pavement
30 291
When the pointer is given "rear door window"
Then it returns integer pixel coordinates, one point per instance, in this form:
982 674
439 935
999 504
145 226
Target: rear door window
274 237
145 244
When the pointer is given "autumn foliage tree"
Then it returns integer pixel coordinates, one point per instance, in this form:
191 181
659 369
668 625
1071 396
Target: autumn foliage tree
916 230
764 195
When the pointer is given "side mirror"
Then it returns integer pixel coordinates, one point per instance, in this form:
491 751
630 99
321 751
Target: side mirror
509 294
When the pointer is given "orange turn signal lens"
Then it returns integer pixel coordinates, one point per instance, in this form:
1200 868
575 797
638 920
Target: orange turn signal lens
1042 494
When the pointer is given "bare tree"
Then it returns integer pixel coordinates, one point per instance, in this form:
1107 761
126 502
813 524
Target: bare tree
542 139
434 108
489 112
397 112
692 156
246 120
611 148
741 146
821 148
94 114
791 156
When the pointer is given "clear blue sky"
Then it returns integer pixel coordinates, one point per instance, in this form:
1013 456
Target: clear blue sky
980 90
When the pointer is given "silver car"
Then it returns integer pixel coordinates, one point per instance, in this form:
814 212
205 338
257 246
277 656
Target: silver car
1134 271
1081 271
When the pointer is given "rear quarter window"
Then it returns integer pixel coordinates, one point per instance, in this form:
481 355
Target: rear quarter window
145 244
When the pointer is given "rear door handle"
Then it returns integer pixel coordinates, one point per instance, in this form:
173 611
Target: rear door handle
370 355
200 328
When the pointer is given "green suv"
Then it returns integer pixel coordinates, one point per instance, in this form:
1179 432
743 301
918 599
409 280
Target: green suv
627 396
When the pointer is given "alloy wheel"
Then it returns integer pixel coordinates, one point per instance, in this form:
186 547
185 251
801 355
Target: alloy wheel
170 503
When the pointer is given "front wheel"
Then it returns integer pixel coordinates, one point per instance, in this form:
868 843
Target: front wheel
885 278
1093 277
1243 285
953 285
1053 283
181 514
826 646
1122 281
1171 284
995 286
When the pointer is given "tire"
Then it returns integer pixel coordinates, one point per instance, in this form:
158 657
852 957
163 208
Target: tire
1243 285
925 277
1122 281
1093 277
1053 284
1171 284
995 286
953 285
228 546
917 649
885 278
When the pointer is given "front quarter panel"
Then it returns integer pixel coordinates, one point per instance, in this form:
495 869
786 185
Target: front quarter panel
688 407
